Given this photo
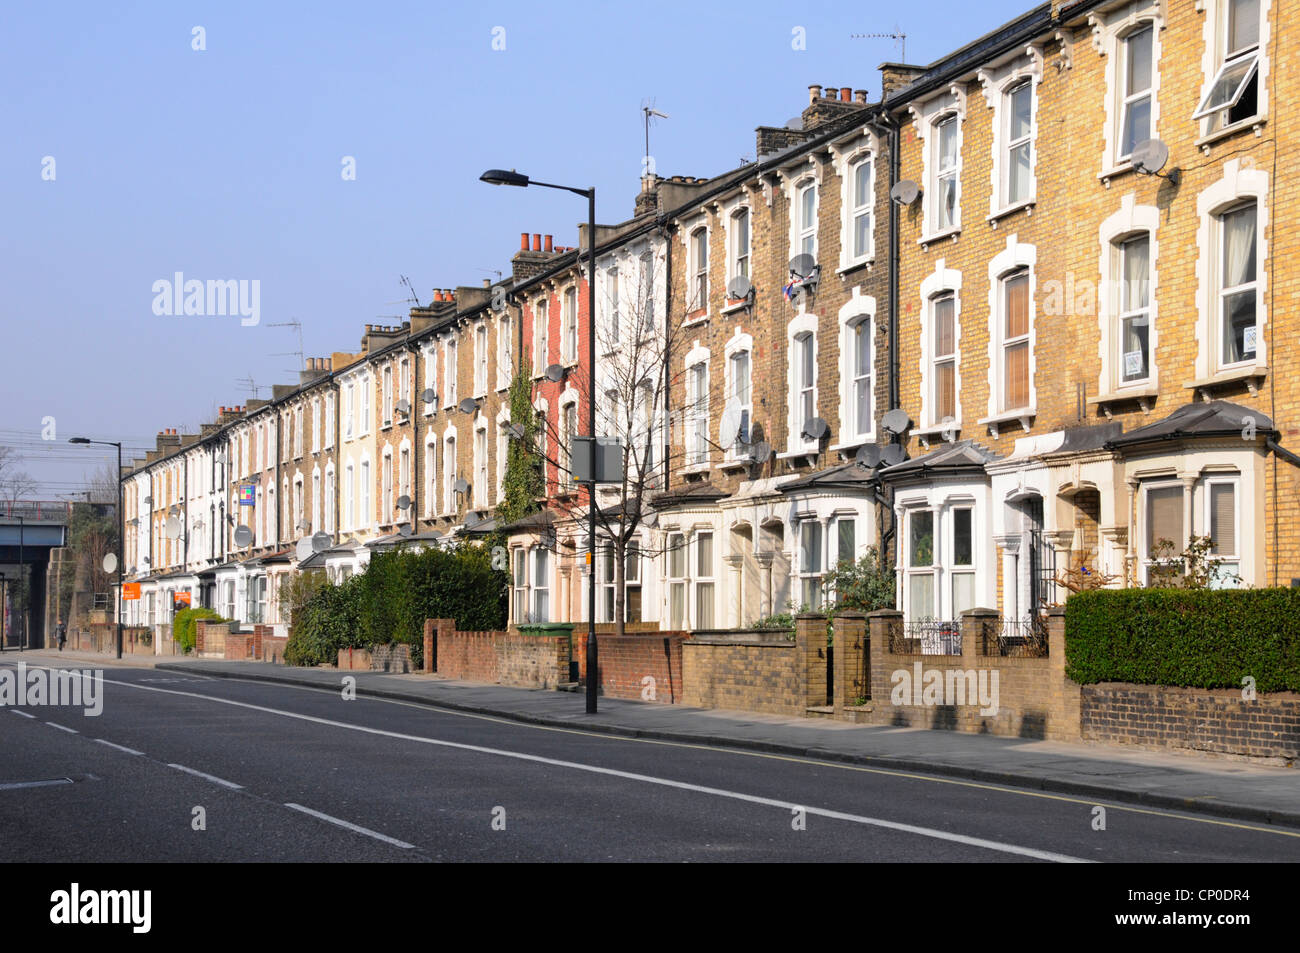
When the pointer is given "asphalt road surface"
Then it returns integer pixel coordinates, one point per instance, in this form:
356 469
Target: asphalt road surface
179 767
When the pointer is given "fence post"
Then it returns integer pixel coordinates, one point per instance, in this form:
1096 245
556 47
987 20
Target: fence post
851 682
810 643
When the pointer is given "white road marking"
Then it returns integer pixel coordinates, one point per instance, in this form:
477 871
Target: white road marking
350 826
119 747
23 713
208 777
71 731
13 785
786 806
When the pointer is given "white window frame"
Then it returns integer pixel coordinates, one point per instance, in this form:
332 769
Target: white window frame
480 359
858 311
810 577
1110 29
482 484
432 450
541 326
450 376
739 253
1218 60
1146 557
569 325
705 588
1005 264
1235 559
800 329
1223 291
1130 221
697 249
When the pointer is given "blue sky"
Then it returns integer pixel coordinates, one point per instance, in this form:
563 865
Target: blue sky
226 163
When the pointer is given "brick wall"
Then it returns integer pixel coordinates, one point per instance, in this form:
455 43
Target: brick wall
499 657
626 661
273 649
210 638
391 658
1034 699
1219 721
353 660
754 674
239 646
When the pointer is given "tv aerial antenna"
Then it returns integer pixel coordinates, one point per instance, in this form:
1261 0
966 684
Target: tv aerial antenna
649 111
301 354
414 299
249 386
897 36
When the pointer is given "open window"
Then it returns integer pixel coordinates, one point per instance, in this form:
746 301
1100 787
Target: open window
1233 94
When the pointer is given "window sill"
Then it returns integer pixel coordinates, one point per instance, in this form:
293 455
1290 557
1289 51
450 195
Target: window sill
1023 415
1251 375
867 262
737 462
1256 123
1027 206
1123 167
694 469
696 318
849 446
733 305
1145 396
930 239
797 454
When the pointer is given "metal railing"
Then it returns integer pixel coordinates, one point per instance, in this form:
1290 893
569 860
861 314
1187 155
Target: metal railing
927 637
48 510
1017 638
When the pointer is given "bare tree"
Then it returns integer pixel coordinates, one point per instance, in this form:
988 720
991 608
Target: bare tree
638 344
15 483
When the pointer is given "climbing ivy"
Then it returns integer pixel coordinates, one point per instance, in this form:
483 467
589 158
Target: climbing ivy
523 477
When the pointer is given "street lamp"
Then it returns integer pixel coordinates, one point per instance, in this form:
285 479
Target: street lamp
511 177
121 531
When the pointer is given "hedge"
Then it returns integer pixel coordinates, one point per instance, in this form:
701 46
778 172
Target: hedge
1190 638
183 625
389 602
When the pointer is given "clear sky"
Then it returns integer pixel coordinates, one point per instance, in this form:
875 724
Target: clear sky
227 163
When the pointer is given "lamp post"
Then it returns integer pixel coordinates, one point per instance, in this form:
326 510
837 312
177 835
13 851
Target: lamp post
511 177
121 531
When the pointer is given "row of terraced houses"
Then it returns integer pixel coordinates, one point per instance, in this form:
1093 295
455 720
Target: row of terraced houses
1055 350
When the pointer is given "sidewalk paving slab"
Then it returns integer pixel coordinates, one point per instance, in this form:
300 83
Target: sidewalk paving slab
1242 790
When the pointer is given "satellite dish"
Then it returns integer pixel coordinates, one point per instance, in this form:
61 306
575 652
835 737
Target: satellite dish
110 562
896 421
172 528
461 486
148 501
905 192
892 454
555 373
429 395
403 502
795 123
243 536
320 541
762 451
868 456
1149 156
729 426
403 406
815 429
739 287
468 405
304 549
801 266
404 530
515 430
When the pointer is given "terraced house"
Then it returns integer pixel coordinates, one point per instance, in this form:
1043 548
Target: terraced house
1030 311
1092 325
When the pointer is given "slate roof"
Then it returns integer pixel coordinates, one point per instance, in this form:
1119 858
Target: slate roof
1215 418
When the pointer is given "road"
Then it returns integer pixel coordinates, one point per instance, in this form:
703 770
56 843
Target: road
179 767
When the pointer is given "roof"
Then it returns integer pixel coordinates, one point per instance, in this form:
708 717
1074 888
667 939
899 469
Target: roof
690 493
849 474
1095 437
542 519
1215 418
962 456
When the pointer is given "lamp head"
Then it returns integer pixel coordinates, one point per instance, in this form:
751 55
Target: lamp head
504 177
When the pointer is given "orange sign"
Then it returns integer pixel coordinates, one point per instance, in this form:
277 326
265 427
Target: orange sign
130 590
181 598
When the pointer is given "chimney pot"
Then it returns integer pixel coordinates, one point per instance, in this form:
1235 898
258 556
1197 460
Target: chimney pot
437 294
548 244
487 283
523 241
813 93
846 94
537 241
860 96
829 92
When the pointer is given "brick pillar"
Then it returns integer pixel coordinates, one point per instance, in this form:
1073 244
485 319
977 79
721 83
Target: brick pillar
978 633
443 629
851 675
200 628
880 624
1064 717
258 632
429 665
810 643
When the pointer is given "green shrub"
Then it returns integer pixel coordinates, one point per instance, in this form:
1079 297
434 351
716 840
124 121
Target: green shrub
183 629
389 602
1192 638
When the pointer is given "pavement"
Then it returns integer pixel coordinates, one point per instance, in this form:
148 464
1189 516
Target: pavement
1242 790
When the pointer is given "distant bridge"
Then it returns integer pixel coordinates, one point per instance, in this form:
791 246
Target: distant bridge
29 529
